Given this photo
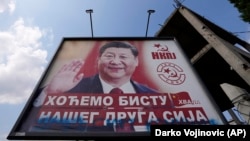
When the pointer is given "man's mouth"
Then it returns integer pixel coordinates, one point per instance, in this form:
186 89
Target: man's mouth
115 68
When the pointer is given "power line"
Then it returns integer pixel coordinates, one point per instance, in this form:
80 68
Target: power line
241 32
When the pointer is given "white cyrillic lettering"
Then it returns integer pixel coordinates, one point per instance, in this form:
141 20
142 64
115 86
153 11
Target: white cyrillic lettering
134 101
200 116
70 117
85 101
179 116
154 99
92 116
107 100
61 100
73 100
131 116
123 101
191 118
165 116
56 117
96 101
83 117
44 117
109 120
121 115
163 100
140 114
144 100
50 100
152 117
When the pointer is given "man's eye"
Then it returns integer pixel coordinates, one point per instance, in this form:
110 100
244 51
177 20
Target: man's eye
123 57
109 56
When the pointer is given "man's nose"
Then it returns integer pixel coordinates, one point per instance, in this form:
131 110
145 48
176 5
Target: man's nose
116 60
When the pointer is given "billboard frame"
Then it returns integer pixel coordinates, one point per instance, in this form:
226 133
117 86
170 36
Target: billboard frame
15 134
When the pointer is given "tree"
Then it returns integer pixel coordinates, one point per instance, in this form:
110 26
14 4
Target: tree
243 7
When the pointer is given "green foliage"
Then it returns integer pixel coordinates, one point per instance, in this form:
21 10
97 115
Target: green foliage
243 7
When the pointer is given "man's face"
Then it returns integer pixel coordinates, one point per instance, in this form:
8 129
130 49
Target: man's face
117 63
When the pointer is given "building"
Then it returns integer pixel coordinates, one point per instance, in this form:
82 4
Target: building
217 55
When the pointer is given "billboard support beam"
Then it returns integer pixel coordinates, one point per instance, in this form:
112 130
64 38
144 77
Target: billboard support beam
240 98
201 53
224 48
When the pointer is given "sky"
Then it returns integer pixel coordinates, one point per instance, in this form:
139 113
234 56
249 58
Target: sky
31 31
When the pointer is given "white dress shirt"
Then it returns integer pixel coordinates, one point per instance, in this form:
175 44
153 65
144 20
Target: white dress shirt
126 88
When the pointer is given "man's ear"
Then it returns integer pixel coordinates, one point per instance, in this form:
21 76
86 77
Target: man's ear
137 61
96 62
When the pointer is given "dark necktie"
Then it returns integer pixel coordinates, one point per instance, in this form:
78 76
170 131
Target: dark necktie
116 91
123 126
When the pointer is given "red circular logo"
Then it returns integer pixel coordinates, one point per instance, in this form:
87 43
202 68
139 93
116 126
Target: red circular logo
171 73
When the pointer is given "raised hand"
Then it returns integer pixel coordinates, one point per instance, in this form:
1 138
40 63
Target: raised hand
66 78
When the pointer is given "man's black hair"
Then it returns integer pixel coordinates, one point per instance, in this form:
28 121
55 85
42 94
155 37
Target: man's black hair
119 44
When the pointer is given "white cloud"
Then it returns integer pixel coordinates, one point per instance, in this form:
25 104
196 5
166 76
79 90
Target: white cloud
22 61
2 5
12 6
7 5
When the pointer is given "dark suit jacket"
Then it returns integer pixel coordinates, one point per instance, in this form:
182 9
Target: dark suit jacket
93 85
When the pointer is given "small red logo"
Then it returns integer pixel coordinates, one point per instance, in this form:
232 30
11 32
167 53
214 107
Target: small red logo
171 73
162 52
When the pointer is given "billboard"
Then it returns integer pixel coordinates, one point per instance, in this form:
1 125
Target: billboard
153 83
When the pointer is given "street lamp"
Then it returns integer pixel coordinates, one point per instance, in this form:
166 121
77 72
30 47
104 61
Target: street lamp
90 11
149 13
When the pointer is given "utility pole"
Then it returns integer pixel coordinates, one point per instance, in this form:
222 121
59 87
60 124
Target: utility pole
149 13
90 11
